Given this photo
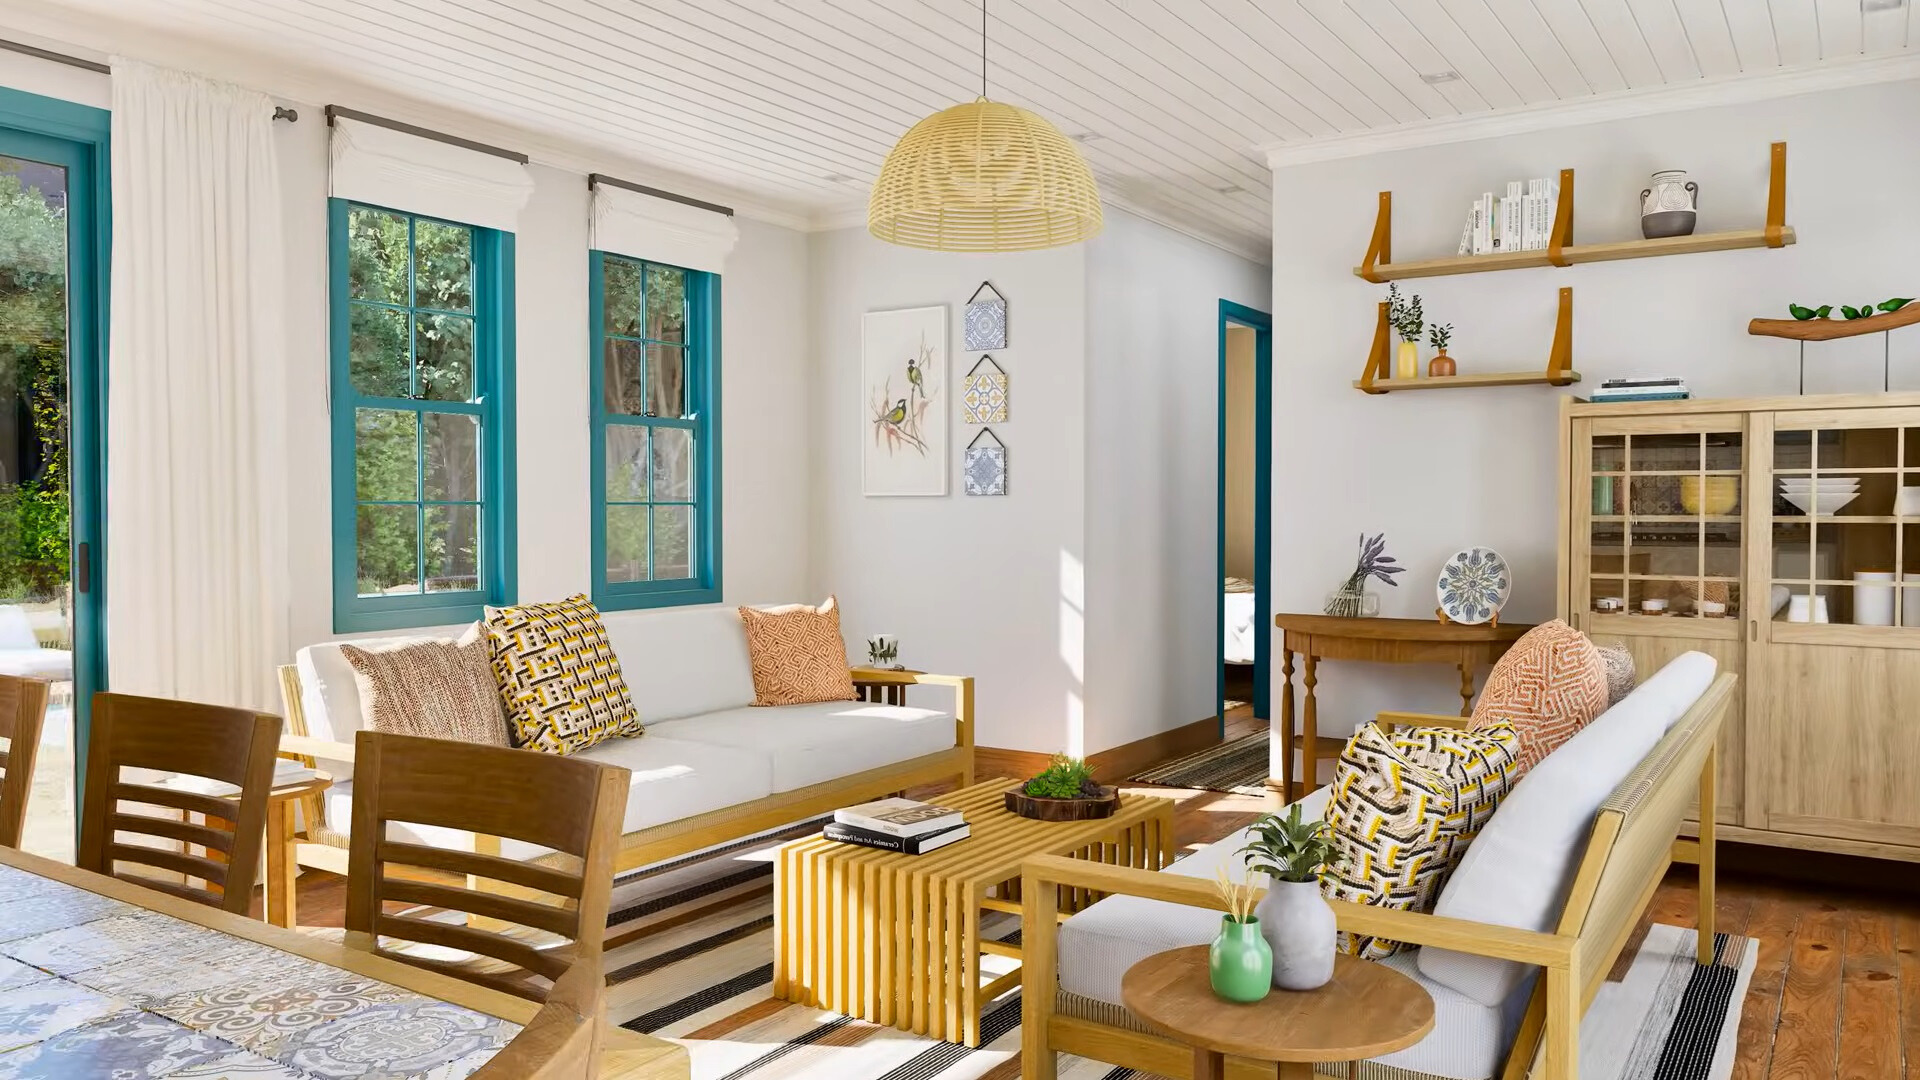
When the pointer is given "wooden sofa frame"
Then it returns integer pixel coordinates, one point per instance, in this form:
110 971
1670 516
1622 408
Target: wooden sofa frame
1635 838
323 848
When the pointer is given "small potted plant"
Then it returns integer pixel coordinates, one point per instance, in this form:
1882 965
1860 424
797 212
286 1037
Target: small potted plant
1407 320
1351 599
1064 791
1441 365
1296 921
1240 963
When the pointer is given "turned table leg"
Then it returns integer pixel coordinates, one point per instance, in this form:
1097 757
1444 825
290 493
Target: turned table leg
1466 688
1286 725
1309 729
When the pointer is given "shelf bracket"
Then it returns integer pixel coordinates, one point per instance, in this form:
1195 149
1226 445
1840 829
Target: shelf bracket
1380 248
1562 221
1561 358
1777 197
1377 356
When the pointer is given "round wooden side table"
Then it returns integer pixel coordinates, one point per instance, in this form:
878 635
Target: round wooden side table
1367 1010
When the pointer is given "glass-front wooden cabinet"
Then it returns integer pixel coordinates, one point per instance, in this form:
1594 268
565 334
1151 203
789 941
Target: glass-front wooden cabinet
1781 536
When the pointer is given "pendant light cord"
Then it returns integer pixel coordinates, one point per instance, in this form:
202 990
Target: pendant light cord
983 48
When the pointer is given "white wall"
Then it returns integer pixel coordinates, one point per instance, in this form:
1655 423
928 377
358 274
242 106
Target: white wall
764 334
1439 471
982 585
1153 433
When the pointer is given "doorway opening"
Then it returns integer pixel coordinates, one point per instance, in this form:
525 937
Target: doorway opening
1245 518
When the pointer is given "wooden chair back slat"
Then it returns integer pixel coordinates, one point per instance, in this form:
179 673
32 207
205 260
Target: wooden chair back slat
23 712
233 746
570 806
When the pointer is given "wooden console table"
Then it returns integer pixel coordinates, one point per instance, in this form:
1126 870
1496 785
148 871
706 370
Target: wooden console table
1383 641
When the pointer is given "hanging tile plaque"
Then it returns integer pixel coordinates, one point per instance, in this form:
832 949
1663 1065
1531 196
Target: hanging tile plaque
986 320
986 465
984 400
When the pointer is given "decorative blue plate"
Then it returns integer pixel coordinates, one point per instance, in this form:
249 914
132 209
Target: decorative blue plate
1474 585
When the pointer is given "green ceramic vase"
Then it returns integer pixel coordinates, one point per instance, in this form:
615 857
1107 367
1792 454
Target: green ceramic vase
1240 964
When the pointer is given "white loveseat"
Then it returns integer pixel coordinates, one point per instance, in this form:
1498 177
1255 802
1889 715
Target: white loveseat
1557 879
710 767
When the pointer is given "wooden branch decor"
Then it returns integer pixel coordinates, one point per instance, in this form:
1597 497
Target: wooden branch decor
1829 329
1379 267
1559 371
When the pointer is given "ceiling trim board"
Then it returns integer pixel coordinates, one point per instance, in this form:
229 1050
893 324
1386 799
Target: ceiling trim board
1622 105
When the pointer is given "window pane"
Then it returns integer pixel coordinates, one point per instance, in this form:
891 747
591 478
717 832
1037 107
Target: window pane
620 295
667 381
376 256
672 465
626 464
385 455
666 303
443 266
389 541
626 543
377 351
453 457
620 378
443 349
672 542
453 548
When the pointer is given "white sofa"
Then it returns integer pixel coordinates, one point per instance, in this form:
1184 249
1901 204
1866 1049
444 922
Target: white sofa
1519 873
710 766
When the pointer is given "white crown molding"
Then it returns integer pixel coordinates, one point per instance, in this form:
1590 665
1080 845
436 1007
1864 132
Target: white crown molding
855 217
294 82
1622 105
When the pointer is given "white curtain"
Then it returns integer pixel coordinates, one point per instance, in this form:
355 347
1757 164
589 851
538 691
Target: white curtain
196 459
391 168
661 230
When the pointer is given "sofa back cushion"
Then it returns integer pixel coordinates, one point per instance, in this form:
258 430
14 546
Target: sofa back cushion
684 662
1520 868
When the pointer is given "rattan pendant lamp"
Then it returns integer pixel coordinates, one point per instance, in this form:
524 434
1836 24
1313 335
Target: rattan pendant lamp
984 176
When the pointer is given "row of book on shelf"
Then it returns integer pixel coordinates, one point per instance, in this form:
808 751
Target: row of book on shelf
1520 220
903 825
1662 389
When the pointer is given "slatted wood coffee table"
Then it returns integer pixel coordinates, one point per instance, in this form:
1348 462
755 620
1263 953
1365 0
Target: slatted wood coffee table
895 939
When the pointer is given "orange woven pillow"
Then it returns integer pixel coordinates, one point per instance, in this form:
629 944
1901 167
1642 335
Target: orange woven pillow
1552 683
798 654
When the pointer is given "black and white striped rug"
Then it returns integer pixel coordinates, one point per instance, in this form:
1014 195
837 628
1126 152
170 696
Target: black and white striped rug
691 959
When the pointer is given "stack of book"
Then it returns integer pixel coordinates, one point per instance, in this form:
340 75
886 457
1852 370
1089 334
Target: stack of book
1520 220
903 825
1643 390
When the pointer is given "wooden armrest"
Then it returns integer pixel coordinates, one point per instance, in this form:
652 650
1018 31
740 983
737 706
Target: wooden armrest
962 686
319 748
1460 935
1414 719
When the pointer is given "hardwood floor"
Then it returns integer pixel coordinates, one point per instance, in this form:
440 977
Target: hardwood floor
1835 996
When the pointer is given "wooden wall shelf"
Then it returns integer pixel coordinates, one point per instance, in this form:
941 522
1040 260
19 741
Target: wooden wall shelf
1829 329
1378 265
1559 371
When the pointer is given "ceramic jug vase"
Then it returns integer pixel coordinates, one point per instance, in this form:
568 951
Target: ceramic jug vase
1670 207
1299 927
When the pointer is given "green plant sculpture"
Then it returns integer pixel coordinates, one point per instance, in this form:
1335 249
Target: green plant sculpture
1065 778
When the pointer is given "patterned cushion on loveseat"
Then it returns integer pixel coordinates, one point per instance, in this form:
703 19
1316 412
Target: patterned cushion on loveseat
1549 685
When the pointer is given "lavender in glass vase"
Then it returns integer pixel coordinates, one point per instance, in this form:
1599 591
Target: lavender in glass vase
1351 599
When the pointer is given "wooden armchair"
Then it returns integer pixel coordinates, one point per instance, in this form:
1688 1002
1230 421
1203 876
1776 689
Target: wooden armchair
1628 852
23 712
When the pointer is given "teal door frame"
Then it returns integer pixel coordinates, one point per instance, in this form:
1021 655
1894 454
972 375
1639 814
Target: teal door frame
1232 314
75 137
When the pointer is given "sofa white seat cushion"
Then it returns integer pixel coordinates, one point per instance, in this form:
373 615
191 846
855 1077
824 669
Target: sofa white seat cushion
672 779
1098 945
1520 868
811 744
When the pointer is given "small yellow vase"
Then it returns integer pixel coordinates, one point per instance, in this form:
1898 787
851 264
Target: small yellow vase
1407 364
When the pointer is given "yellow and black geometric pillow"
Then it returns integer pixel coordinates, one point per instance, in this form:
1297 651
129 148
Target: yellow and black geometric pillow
560 683
1405 806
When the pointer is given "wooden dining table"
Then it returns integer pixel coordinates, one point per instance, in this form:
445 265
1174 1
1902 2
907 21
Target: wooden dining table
102 977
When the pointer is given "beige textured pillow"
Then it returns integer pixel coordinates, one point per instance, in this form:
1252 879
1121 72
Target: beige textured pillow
436 688
798 654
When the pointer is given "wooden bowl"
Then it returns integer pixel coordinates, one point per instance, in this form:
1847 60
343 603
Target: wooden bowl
1039 809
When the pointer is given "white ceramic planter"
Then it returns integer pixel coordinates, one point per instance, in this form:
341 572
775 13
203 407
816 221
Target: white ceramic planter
1298 925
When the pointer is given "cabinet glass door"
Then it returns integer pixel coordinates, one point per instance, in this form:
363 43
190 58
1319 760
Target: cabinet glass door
1665 527
1845 520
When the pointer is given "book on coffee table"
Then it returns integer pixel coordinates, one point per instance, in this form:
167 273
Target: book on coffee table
899 817
907 845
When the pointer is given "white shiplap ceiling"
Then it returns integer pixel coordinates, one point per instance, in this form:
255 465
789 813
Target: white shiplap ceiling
1180 104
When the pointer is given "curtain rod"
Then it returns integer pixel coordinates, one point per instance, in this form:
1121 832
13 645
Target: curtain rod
596 179
424 133
279 112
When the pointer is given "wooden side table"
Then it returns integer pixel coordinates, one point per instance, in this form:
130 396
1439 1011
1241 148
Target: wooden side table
882 693
1384 641
1367 1010
281 868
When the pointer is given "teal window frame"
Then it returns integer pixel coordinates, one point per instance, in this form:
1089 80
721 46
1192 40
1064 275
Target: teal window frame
702 418
493 309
